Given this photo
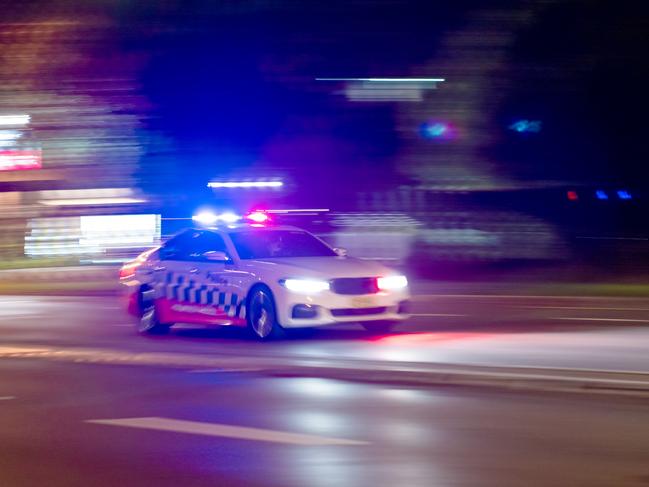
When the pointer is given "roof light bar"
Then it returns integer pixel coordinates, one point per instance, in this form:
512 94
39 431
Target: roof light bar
207 217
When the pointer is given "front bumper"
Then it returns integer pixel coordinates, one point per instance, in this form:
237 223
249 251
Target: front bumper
330 308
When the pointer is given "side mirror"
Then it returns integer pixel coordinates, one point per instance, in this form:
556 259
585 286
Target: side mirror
340 251
216 256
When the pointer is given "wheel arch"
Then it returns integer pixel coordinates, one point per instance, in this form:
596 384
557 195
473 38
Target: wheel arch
255 287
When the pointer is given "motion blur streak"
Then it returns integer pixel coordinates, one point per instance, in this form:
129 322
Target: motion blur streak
246 184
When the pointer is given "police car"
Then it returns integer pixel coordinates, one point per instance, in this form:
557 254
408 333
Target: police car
266 277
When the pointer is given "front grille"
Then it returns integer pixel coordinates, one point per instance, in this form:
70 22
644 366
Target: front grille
358 311
355 285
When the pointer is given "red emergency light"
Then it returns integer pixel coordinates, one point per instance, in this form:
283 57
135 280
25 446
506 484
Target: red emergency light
258 217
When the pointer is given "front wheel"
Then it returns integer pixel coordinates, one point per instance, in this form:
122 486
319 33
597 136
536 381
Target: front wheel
149 323
261 315
379 326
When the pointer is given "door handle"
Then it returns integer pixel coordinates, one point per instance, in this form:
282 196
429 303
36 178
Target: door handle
193 270
159 268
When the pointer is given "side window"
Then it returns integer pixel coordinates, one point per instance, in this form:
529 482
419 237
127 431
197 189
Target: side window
178 247
206 242
191 245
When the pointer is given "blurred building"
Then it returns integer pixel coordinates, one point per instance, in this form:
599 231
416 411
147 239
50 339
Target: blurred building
70 141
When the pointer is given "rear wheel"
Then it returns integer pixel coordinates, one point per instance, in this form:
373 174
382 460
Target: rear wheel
385 326
261 315
149 322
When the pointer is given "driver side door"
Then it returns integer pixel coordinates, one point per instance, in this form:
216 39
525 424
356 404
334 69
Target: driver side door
182 291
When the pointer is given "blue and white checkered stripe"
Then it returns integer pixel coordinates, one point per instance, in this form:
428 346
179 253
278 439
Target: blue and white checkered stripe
178 287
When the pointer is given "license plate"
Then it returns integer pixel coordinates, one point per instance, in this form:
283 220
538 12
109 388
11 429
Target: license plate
363 302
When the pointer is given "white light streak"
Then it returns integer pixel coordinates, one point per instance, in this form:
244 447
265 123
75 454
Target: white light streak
245 184
92 201
387 80
299 210
14 120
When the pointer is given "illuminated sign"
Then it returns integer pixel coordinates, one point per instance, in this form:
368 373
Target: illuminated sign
12 120
17 160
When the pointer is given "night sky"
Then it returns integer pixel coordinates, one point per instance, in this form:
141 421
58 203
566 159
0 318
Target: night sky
230 90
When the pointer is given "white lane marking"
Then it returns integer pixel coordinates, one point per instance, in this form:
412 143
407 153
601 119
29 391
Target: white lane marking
7 398
436 315
605 319
224 430
581 307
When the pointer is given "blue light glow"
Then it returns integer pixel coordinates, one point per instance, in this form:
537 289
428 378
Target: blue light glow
601 195
229 217
520 126
205 218
624 195
437 130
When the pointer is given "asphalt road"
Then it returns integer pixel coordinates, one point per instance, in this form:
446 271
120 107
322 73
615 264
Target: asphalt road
70 424
585 333
65 422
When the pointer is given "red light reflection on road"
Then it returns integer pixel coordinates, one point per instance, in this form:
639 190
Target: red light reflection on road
424 339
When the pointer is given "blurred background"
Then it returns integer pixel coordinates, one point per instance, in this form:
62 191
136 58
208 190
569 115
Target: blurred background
451 138
495 152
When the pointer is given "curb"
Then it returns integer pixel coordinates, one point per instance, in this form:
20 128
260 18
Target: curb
546 380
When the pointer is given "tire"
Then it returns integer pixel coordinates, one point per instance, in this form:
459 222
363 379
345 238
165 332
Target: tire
149 322
379 326
262 316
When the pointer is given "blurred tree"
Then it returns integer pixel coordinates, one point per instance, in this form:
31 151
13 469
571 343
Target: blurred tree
472 59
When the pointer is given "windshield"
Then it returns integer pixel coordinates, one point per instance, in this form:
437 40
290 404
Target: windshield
267 244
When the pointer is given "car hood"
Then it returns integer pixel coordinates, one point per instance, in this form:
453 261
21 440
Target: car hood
321 267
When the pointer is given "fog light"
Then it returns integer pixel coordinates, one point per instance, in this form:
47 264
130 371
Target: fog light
304 311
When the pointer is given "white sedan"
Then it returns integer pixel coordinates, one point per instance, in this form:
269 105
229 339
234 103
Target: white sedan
268 278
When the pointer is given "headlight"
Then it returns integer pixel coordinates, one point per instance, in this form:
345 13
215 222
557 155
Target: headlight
391 283
305 286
